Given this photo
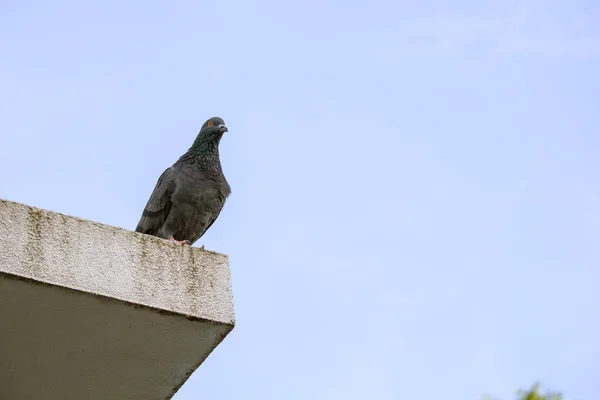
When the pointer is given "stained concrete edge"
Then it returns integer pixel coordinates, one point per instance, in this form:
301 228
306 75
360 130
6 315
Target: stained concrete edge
91 257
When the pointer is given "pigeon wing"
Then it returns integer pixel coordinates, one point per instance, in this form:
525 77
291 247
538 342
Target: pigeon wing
159 205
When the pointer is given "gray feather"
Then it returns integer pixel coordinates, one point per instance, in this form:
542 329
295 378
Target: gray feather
189 195
159 205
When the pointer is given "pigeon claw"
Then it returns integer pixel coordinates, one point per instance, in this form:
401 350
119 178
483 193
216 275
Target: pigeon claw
181 242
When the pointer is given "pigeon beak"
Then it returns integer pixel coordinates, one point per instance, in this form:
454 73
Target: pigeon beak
223 128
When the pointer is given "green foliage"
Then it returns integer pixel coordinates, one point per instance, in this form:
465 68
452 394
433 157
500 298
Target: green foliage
534 394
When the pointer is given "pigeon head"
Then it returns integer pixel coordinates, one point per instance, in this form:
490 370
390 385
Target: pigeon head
213 128
206 145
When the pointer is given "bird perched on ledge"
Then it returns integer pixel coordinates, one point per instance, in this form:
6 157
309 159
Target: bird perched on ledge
190 194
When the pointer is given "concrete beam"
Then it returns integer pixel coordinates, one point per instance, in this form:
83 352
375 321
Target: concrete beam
90 311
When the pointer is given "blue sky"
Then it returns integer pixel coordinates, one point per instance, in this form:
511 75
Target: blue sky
415 208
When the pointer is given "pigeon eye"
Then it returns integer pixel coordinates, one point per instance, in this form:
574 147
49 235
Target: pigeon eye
210 123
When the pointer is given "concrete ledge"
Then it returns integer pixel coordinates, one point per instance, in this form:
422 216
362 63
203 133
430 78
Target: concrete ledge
89 311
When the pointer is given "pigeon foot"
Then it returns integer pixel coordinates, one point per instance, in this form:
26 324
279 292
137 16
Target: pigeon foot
181 242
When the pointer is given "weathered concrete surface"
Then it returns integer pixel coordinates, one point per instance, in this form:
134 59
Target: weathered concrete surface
89 311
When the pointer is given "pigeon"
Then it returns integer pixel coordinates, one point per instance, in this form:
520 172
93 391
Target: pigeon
190 194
